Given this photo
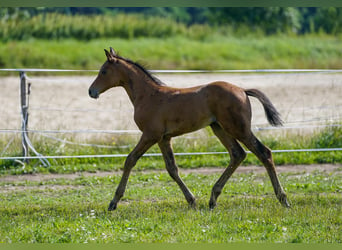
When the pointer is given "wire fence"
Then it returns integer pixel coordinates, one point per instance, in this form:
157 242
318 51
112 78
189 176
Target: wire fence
191 71
334 122
138 132
160 155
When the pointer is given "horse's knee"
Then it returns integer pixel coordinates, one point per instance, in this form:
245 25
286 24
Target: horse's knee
267 152
263 152
268 158
130 162
239 155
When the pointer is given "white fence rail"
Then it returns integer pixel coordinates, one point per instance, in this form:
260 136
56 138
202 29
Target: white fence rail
160 155
193 71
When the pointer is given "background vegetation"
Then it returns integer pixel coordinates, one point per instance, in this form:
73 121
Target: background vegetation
269 20
172 38
178 53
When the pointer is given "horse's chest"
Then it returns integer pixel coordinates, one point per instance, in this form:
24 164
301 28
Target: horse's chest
144 117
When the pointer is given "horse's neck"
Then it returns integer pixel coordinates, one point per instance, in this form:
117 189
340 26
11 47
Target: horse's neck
138 86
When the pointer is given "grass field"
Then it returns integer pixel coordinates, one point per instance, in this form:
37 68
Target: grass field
215 52
154 209
53 206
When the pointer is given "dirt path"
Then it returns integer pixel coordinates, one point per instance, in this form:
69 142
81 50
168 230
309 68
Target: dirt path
242 169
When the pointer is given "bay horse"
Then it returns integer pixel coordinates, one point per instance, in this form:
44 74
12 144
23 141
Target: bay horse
163 112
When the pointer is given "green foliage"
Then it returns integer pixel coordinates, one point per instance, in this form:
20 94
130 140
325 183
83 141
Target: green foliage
88 23
58 26
271 20
328 20
331 137
214 52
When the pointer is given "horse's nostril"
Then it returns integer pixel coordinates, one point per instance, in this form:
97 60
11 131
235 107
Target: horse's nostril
93 93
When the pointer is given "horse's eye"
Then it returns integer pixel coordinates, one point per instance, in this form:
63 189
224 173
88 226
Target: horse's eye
103 72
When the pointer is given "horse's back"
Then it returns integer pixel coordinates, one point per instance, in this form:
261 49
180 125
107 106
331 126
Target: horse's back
225 95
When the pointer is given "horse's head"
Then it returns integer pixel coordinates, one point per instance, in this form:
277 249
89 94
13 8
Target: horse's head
111 75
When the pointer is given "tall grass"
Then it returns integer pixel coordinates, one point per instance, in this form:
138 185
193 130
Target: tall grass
53 40
58 26
216 52
330 137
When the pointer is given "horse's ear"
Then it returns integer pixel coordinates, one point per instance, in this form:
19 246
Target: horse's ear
107 54
110 57
112 51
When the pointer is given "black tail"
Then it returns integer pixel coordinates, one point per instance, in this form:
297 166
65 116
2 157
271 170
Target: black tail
272 114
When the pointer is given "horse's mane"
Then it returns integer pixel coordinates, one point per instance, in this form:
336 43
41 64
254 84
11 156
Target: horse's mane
142 68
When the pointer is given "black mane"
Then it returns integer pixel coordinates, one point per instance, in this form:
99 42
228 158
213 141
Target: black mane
148 74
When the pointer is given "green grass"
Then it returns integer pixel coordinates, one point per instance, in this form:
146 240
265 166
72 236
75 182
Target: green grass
331 137
214 52
154 210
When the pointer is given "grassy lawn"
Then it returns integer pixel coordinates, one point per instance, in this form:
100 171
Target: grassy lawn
154 209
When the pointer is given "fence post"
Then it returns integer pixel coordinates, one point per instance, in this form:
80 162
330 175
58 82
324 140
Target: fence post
24 114
24 103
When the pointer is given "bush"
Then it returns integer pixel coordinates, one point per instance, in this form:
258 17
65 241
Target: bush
331 137
58 26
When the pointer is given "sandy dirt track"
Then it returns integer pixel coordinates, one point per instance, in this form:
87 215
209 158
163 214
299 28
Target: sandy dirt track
63 102
299 169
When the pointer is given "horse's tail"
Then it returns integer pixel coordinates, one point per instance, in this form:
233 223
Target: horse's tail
272 114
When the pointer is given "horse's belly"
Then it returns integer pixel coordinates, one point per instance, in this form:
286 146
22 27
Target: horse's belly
186 125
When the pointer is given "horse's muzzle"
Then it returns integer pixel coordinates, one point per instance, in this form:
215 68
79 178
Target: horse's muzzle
93 93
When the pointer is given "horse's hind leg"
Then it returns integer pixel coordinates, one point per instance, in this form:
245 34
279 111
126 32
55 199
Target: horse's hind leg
265 156
237 155
166 149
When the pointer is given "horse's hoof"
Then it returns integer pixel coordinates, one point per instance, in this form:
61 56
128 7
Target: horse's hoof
193 205
212 205
283 200
286 204
112 206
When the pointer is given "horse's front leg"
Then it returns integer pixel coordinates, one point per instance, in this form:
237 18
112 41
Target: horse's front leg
143 145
